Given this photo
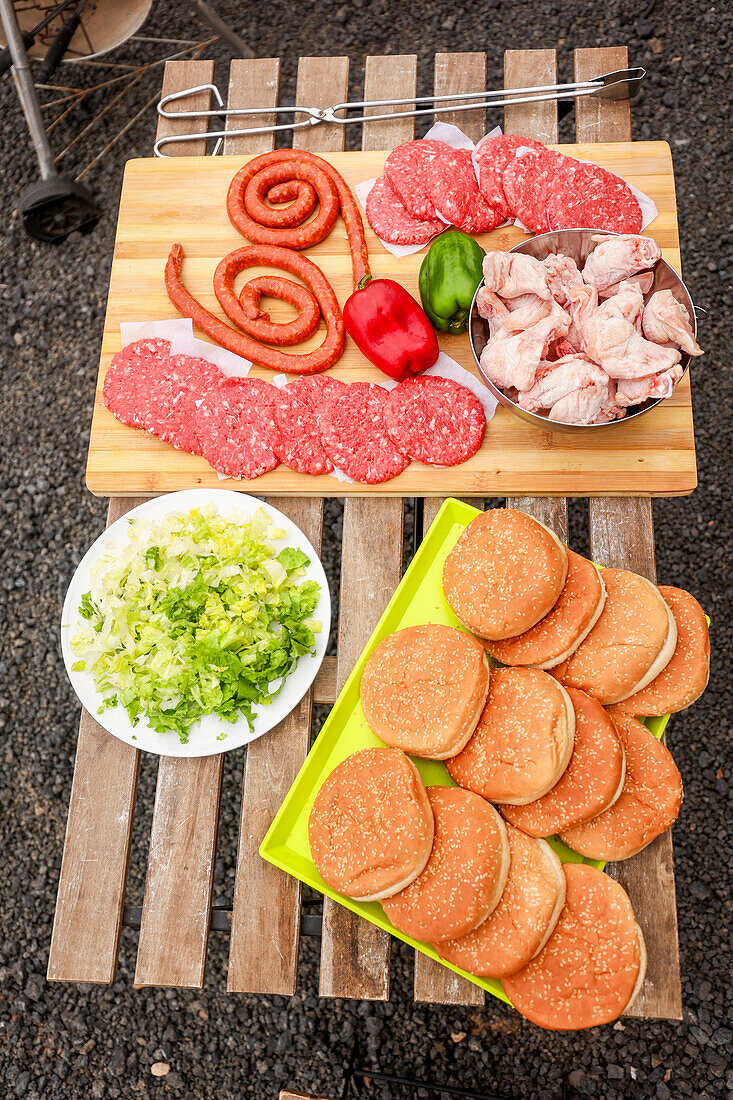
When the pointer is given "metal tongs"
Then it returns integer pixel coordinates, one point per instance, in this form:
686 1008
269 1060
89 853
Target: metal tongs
622 84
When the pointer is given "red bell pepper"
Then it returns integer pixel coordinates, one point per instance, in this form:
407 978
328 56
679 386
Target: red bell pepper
390 328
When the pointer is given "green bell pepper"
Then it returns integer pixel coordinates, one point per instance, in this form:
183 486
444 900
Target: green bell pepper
449 275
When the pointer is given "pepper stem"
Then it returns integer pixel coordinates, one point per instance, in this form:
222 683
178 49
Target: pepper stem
363 282
458 321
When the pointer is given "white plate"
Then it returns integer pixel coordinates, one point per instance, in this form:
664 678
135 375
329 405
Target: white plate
203 736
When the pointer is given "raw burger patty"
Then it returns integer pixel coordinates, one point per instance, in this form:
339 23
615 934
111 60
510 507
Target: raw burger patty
492 157
453 190
132 379
146 387
406 169
233 420
355 438
547 191
392 222
435 420
175 403
294 434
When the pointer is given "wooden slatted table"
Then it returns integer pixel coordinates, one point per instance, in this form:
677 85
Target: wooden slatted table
266 908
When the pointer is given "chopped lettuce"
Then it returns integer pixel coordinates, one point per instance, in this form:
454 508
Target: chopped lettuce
195 615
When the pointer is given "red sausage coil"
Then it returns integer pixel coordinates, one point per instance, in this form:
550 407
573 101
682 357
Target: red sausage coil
278 234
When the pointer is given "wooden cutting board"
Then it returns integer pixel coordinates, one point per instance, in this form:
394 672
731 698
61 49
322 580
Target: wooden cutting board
183 199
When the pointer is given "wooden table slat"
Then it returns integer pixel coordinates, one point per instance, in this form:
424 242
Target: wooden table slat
178 75
461 72
253 82
263 950
527 69
454 73
524 69
601 119
324 686
174 928
622 535
355 954
91 894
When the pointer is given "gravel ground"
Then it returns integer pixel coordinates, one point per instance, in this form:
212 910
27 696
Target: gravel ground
70 1041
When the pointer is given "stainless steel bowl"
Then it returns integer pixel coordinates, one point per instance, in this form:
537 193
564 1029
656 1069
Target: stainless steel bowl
576 243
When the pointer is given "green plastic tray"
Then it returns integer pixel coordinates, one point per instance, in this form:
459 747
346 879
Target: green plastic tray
417 599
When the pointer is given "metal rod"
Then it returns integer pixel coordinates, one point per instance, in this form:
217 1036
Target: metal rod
117 137
26 91
196 50
102 113
429 1086
240 48
220 919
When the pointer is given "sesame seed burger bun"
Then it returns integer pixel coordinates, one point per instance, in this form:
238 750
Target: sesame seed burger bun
685 678
424 688
593 964
632 641
371 825
592 781
649 802
523 920
504 574
523 741
554 638
465 875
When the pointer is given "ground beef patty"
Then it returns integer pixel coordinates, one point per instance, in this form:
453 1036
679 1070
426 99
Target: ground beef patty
234 420
491 157
294 433
548 191
391 220
354 435
406 168
435 420
132 379
453 190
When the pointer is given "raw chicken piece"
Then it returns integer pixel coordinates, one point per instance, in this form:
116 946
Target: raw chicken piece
510 274
562 276
643 280
628 303
531 311
513 360
634 391
610 339
517 314
493 310
615 258
562 348
574 389
586 406
666 320
583 301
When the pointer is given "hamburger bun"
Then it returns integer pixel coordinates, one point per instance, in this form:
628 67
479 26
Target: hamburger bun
631 643
523 920
523 741
465 875
649 802
371 825
591 782
424 688
559 634
685 678
593 964
504 574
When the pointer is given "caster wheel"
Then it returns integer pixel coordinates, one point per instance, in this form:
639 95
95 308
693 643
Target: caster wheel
52 209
